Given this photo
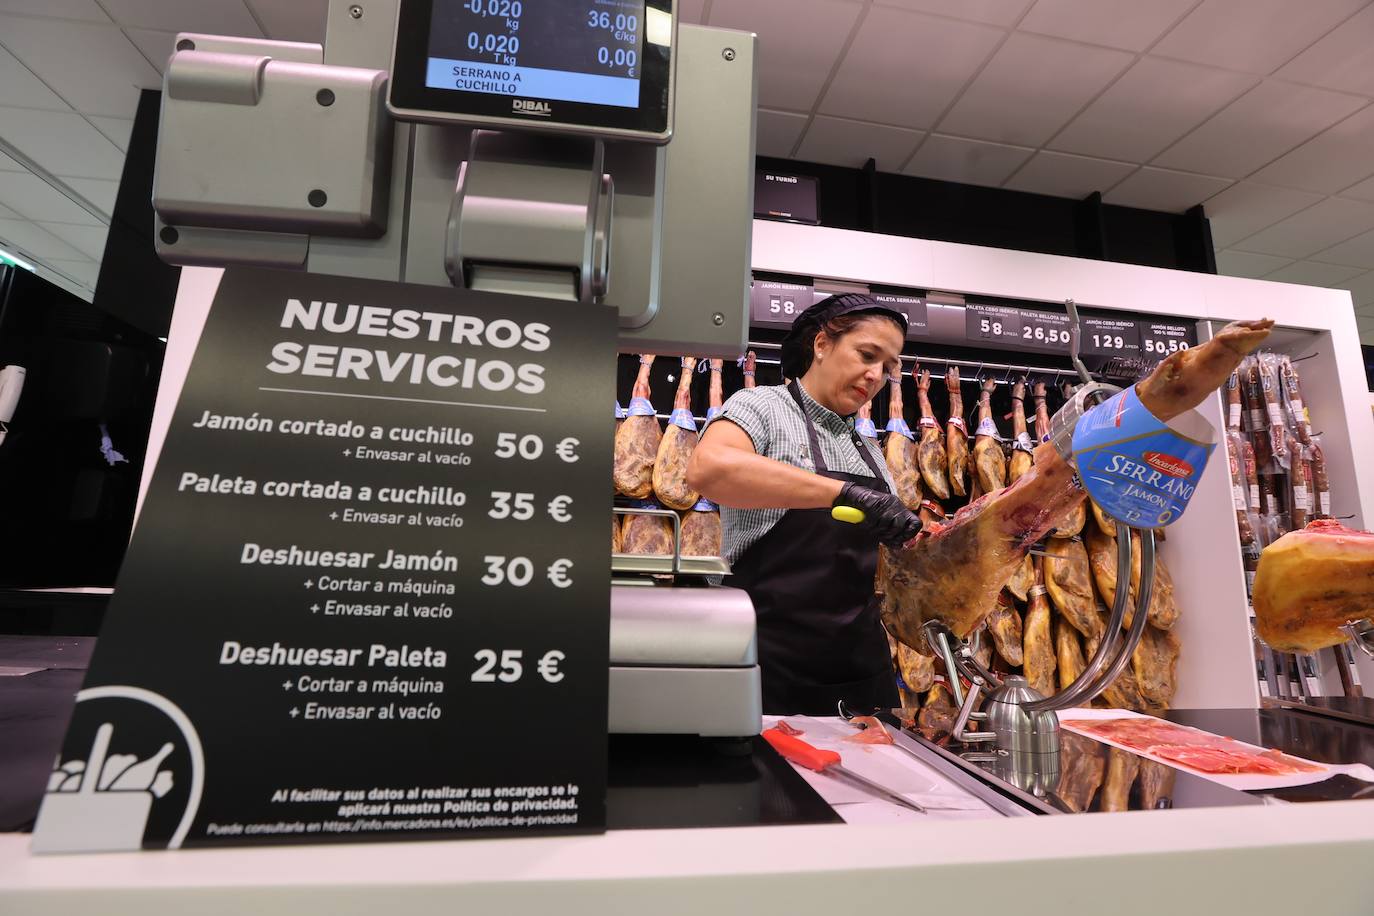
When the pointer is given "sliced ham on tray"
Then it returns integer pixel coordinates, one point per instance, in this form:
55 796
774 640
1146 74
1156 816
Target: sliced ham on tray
1188 747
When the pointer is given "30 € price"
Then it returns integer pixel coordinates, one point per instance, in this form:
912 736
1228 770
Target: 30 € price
507 666
519 571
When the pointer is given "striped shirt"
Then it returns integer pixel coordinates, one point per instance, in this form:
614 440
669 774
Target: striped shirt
771 419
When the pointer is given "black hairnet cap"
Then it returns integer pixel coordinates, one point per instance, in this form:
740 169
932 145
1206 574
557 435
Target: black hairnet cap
797 345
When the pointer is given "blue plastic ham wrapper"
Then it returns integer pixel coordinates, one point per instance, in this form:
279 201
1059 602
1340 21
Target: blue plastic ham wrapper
640 407
620 412
704 505
864 427
683 418
898 425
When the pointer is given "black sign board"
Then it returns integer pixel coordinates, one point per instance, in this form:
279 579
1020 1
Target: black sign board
364 599
1044 331
791 198
1160 338
914 307
1110 337
772 302
998 325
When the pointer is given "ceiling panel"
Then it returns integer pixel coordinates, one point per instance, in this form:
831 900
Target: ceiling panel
996 12
1152 105
1343 59
1065 175
217 17
1127 24
1245 208
1245 264
93 67
63 9
9 165
967 161
1256 36
778 132
89 240
1162 189
1320 226
801 40
1031 88
117 130
837 141
1362 191
98 191
304 20
1336 159
1257 128
1361 288
63 143
154 44
916 87
32 241
33 198
1311 273
1356 252
83 272
20 88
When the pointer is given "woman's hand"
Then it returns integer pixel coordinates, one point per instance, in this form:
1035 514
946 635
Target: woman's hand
884 513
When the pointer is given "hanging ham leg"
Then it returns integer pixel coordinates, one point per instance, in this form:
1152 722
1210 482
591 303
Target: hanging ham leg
989 462
1073 522
956 435
676 446
1308 585
1004 623
1021 442
1122 769
930 452
900 452
701 532
636 443
1038 652
750 361
952 572
1156 667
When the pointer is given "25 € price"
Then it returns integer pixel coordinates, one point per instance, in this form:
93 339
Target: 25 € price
507 666
1165 347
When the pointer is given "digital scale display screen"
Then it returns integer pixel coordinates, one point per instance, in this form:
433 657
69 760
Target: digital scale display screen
587 51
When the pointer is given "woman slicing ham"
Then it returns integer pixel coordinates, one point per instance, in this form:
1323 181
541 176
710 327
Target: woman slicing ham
777 460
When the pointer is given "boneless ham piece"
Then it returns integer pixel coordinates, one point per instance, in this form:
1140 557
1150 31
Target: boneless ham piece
1311 582
952 572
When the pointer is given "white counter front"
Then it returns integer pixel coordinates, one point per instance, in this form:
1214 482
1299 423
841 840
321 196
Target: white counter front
1288 859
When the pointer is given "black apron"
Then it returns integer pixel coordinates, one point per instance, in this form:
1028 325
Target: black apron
820 637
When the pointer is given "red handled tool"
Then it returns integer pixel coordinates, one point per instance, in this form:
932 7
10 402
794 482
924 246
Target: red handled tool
813 758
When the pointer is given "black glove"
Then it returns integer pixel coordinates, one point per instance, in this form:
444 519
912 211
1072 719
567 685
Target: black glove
884 513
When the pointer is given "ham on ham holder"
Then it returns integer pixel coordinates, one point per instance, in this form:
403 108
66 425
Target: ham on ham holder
951 573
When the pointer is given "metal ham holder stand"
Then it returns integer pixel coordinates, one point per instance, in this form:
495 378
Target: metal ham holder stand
1019 726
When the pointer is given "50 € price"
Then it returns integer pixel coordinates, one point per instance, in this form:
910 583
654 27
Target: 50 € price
1165 347
530 447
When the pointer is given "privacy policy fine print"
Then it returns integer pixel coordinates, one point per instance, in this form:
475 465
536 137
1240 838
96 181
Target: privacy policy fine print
368 593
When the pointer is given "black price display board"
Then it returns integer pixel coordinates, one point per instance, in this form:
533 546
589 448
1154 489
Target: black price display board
367 596
772 302
1044 331
1110 337
914 307
1160 338
999 325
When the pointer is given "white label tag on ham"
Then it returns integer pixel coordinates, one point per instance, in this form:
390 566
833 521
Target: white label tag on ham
1254 496
1238 497
1275 414
1325 497
1301 499
1256 420
1233 416
987 428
